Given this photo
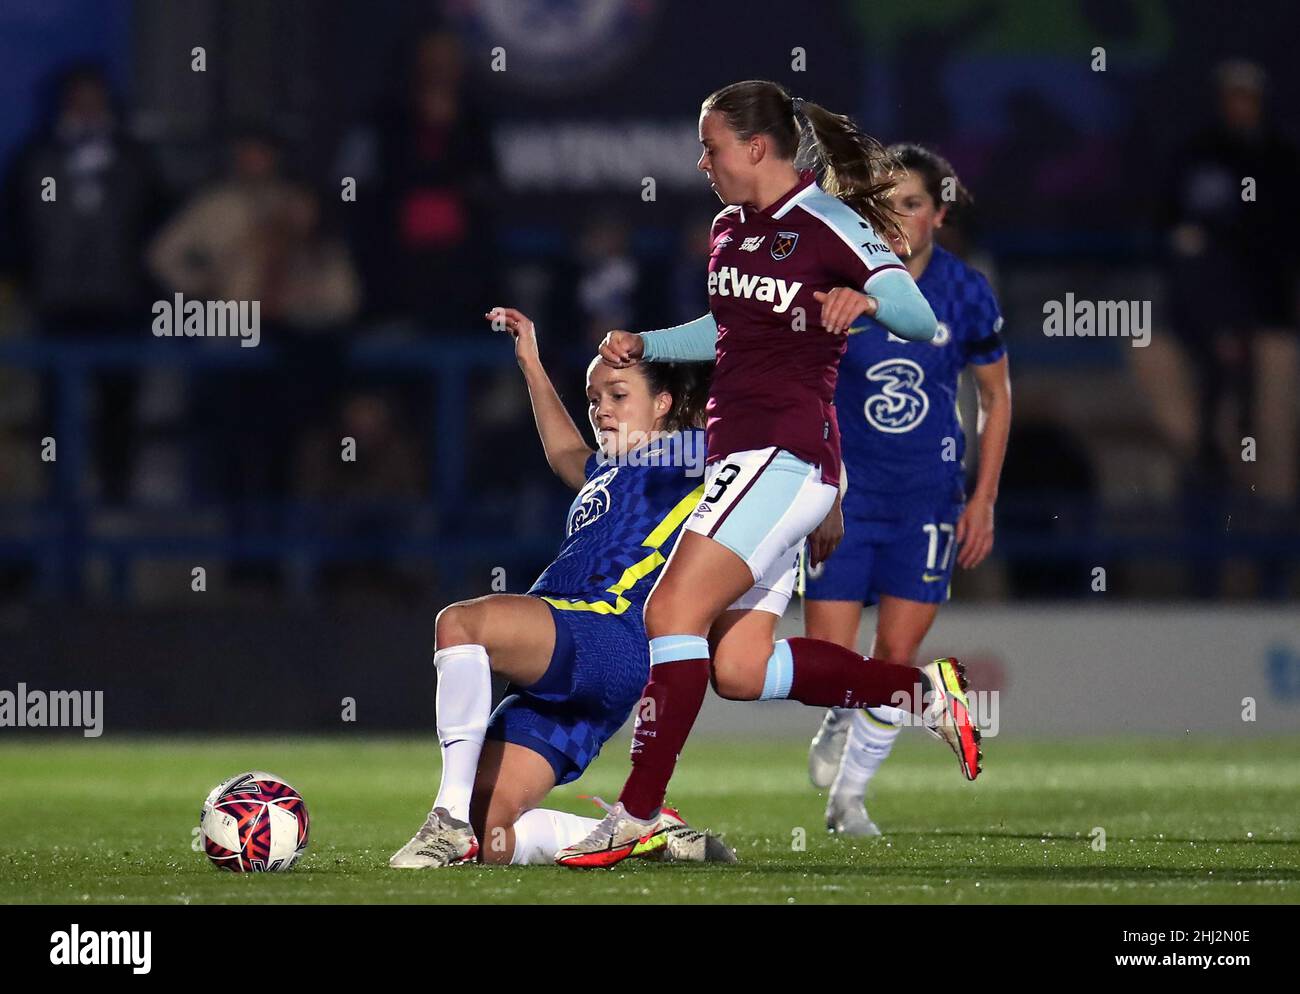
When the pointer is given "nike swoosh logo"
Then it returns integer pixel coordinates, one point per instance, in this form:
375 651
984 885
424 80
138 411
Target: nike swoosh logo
931 579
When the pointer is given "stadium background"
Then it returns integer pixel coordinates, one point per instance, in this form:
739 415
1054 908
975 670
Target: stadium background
525 186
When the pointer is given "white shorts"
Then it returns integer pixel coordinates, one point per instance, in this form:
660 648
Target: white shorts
761 504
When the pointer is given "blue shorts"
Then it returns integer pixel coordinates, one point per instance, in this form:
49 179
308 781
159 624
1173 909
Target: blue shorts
903 545
597 672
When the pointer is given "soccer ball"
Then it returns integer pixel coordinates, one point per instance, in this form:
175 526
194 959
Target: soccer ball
254 823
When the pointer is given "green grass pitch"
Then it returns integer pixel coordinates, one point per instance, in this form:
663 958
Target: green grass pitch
1185 822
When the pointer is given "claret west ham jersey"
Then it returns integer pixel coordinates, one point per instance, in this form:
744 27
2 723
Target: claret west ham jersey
774 383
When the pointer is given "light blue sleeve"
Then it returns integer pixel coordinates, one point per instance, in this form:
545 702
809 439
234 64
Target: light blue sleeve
900 305
694 341
863 255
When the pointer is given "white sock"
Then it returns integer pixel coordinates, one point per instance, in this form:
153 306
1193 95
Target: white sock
871 736
541 833
462 706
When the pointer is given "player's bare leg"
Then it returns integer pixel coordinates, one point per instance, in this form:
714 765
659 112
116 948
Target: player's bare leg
807 670
838 622
518 632
506 634
700 579
512 781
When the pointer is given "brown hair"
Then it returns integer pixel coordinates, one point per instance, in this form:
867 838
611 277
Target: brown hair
933 169
688 382
855 167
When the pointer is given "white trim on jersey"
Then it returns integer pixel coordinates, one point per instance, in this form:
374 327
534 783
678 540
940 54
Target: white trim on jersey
724 212
866 261
805 192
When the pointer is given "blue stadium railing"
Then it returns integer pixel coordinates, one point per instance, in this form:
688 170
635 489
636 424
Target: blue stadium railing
56 536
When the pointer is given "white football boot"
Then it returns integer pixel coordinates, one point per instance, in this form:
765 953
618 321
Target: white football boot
680 843
616 838
844 817
827 747
441 841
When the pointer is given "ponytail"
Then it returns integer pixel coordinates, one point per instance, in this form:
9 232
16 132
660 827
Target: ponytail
855 167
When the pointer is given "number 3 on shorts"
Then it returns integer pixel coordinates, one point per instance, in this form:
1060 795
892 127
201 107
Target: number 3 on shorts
720 483
932 531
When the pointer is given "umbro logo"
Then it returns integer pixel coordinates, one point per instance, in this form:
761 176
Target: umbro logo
752 243
704 509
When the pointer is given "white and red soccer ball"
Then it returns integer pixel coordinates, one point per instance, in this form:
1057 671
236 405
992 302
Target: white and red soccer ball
254 823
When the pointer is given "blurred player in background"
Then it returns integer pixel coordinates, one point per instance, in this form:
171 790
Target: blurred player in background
906 518
792 266
573 647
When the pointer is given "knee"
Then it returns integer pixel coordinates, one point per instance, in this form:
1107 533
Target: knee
659 616
901 653
456 624
667 613
737 678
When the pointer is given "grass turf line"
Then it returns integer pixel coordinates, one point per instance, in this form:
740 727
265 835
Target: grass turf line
1185 821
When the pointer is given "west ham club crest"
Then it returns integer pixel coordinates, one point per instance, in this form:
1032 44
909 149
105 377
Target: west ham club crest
783 244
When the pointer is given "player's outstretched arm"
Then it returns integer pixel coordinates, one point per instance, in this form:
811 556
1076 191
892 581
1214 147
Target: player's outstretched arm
894 301
567 451
694 341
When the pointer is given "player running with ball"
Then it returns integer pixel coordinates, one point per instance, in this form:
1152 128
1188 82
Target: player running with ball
792 266
905 515
574 647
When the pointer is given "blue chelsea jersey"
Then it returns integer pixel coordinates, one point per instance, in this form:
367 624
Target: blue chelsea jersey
897 400
622 526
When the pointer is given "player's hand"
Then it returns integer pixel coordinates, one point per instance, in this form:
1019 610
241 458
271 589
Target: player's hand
521 329
826 536
621 348
842 306
975 532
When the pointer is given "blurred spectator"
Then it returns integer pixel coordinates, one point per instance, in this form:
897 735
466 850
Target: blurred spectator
690 296
81 197
608 277
388 464
1232 275
370 499
425 179
258 236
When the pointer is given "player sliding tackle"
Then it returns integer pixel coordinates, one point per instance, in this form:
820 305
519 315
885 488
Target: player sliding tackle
573 648
793 266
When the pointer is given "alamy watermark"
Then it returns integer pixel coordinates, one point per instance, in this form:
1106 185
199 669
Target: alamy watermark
1073 318
102 948
25 708
656 448
984 709
181 318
